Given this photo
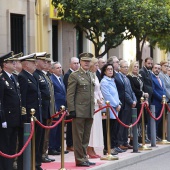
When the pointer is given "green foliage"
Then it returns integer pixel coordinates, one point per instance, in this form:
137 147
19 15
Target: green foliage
117 20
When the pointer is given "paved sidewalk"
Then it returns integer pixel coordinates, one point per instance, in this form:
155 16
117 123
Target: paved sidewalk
125 159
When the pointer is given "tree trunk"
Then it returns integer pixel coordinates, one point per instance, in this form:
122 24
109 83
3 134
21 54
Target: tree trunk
138 52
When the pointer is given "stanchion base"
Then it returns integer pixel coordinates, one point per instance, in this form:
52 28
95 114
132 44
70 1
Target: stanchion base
164 142
63 169
110 158
144 147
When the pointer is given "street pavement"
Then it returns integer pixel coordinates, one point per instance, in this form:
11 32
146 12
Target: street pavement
125 161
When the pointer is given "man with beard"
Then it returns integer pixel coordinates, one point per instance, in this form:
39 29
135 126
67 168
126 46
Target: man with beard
158 92
147 80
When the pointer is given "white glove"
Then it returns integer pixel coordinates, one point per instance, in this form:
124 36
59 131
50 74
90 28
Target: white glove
4 125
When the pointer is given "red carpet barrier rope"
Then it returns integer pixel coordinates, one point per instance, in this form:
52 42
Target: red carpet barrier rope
129 126
167 107
50 127
55 115
70 120
24 147
162 111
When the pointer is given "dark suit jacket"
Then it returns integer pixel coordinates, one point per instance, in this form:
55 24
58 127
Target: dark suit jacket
136 89
66 76
10 101
120 88
158 91
98 74
147 80
59 92
30 94
45 93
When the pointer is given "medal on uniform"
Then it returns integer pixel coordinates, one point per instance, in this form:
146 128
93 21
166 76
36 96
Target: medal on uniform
6 83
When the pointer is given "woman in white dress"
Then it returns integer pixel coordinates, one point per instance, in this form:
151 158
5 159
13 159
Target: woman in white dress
96 136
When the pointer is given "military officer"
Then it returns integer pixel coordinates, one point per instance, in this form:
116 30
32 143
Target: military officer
31 98
80 102
52 108
41 64
10 110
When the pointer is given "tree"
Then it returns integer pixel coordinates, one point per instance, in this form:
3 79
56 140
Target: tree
117 20
147 18
95 18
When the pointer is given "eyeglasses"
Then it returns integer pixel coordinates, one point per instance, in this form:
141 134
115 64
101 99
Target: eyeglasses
109 69
124 66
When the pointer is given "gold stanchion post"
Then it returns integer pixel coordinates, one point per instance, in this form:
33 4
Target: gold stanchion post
62 140
143 147
109 156
32 112
164 141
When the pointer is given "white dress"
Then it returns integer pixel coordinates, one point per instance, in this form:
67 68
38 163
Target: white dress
96 135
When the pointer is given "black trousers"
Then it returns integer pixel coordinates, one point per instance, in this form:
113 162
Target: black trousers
122 132
8 139
69 137
113 130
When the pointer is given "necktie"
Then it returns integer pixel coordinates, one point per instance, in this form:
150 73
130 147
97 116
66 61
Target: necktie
14 81
60 81
12 78
159 81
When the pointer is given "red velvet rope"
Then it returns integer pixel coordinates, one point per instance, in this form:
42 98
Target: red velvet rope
50 127
24 147
53 116
127 126
70 120
148 110
167 107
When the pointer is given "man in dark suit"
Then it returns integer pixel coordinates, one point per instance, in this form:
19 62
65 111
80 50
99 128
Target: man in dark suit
74 65
158 91
129 103
60 99
80 101
145 72
10 110
101 62
29 91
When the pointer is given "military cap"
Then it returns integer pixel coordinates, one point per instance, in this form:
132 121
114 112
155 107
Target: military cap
48 57
30 57
7 57
85 56
41 55
17 56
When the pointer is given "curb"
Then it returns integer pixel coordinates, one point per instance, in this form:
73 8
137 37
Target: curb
134 158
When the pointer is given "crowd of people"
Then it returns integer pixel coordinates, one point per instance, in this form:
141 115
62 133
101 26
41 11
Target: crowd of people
34 81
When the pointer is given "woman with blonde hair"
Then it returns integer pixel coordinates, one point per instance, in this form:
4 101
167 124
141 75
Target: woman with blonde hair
96 136
137 87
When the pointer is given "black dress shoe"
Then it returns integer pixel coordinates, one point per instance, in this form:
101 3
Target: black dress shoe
53 152
83 164
117 149
91 163
46 160
59 150
158 139
38 168
52 160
